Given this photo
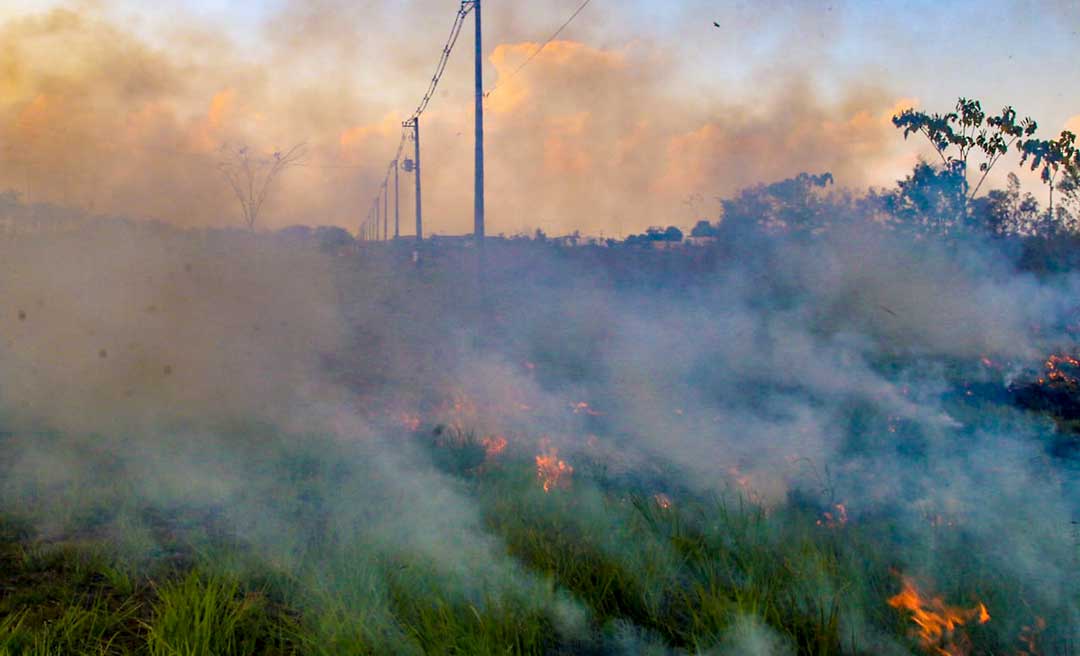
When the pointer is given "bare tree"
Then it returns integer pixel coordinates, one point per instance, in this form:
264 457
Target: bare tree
251 176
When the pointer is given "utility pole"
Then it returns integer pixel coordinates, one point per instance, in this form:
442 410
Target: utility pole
376 226
397 203
478 191
385 211
414 123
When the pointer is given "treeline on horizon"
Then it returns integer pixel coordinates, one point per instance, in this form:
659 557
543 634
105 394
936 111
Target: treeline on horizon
938 199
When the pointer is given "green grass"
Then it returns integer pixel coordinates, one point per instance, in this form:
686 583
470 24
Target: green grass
201 616
594 569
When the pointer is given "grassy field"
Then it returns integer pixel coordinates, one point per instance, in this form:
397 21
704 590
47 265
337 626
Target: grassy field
594 565
276 452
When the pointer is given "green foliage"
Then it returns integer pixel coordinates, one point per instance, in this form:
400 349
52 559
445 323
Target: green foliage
593 564
796 206
703 229
932 200
199 616
1050 157
956 135
656 234
1009 212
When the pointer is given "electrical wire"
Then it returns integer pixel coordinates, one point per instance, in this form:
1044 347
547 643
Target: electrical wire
455 32
440 68
545 44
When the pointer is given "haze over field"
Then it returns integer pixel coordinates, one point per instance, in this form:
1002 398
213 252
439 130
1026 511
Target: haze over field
839 415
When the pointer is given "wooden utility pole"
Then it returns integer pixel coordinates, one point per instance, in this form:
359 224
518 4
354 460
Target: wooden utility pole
397 203
478 191
385 212
414 123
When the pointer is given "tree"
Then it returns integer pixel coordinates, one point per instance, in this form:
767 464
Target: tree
1008 212
1052 155
967 129
1069 212
704 229
656 234
673 234
798 205
251 176
932 200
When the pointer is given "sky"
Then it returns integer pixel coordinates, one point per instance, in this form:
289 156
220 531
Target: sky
641 113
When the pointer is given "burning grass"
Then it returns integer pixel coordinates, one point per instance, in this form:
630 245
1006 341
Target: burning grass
701 501
684 570
939 625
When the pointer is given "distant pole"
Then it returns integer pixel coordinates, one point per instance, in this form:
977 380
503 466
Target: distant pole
376 219
385 211
414 123
397 203
478 191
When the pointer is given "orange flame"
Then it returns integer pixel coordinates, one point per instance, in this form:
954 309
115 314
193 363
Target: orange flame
551 471
830 519
662 500
493 445
740 479
1054 373
410 422
582 407
938 623
1029 636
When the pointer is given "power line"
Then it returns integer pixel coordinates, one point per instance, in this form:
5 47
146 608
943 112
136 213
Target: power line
545 44
440 68
455 32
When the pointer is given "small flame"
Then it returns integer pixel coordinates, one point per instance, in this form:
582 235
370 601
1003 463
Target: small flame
582 407
741 479
938 623
552 472
662 500
411 422
830 519
1029 637
1055 374
493 445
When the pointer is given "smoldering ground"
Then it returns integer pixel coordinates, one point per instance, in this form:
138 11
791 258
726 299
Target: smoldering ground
160 383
